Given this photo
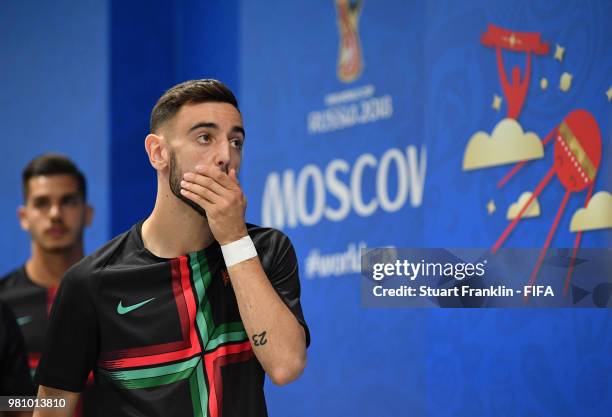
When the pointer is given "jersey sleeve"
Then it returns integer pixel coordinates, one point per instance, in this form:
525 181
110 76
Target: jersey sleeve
281 265
14 372
71 343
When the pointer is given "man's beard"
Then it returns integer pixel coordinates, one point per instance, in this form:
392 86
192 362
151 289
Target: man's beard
175 186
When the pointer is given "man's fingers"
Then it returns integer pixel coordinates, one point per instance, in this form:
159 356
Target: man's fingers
204 182
216 174
198 194
197 199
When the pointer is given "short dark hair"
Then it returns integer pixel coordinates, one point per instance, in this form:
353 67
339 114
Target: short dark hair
53 164
193 91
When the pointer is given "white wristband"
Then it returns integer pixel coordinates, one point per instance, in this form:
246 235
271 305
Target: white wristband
238 251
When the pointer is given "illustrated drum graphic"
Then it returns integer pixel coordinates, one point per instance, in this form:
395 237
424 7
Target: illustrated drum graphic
577 150
577 156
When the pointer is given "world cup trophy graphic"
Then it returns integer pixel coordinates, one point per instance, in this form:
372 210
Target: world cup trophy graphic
350 63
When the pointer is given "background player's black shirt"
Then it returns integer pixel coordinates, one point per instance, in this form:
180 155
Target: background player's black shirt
164 336
14 374
31 304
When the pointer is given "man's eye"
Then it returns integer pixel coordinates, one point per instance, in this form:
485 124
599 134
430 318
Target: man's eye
203 138
236 143
41 204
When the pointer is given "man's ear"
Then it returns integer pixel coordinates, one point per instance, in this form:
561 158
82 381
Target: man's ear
23 220
156 150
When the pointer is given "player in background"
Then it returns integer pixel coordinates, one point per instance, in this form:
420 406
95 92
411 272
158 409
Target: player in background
55 214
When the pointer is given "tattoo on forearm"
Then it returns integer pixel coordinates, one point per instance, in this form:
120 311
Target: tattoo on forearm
259 339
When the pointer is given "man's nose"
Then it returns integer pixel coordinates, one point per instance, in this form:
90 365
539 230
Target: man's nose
222 156
55 212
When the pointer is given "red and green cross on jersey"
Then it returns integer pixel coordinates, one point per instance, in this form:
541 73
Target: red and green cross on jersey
198 357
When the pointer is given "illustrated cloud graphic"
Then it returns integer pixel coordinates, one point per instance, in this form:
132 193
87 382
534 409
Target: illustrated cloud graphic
597 214
532 211
507 144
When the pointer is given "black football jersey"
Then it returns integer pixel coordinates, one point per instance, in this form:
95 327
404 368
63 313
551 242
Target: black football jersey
31 304
164 337
14 374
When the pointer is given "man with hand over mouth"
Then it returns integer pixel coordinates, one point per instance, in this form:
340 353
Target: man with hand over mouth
186 312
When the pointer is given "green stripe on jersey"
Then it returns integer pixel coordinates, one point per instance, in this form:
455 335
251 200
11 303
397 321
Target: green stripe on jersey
202 280
154 381
199 393
154 372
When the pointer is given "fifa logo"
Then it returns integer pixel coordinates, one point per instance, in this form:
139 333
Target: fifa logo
350 63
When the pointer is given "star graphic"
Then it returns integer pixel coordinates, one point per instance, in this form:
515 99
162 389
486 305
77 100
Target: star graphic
609 94
565 82
497 101
491 207
559 52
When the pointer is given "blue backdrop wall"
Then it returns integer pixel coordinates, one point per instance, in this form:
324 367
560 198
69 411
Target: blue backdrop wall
368 155
153 48
376 159
55 78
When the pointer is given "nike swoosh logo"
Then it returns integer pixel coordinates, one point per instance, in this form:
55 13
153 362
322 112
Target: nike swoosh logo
22 321
124 310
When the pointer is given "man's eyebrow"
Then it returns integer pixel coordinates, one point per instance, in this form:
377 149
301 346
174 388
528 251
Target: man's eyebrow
71 195
61 197
239 129
212 125
40 197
